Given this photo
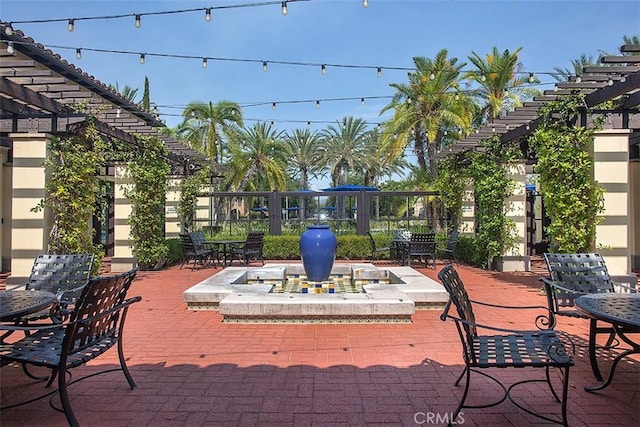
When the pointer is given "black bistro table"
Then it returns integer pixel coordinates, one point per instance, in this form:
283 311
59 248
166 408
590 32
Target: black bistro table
226 248
17 303
622 311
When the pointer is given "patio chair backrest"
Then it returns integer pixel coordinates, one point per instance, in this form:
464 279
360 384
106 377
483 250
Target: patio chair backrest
94 317
401 235
460 299
58 273
582 273
254 243
422 242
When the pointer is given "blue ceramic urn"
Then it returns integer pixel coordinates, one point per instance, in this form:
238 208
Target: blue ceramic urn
318 247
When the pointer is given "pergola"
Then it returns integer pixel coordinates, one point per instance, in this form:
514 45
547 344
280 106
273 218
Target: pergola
619 76
39 89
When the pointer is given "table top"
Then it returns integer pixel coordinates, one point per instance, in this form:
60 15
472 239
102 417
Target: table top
621 309
17 303
225 242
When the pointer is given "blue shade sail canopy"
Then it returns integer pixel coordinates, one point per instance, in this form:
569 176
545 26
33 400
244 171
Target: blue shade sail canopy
350 187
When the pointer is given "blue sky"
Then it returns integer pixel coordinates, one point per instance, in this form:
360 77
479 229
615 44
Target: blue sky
386 34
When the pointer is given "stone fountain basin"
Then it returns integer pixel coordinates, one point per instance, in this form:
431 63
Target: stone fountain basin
236 300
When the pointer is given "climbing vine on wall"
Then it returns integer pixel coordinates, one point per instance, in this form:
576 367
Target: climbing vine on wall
450 183
72 190
572 198
190 188
148 171
496 232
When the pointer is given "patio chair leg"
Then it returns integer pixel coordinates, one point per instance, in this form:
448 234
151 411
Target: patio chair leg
123 365
64 399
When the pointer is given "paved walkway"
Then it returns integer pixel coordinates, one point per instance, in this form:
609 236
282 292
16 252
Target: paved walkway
193 370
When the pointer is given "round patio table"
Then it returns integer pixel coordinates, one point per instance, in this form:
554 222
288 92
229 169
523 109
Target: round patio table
622 311
17 303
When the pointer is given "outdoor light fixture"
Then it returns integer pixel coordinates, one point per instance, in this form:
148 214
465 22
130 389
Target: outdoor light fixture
528 127
531 78
317 104
361 101
207 14
432 76
323 69
379 72
205 63
506 92
506 126
457 96
138 22
142 58
610 82
284 8
365 3
273 106
483 77
10 48
265 67
118 112
79 53
578 79
555 88
71 25
308 125
8 30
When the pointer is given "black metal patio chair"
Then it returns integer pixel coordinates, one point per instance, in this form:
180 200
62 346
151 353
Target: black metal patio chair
449 250
572 275
377 251
198 253
96 324
423 247
506 348
250 250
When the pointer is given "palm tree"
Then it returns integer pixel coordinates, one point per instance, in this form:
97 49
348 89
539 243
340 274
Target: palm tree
304 154
258 159
500 87
129 93
426 108
577 66
206 125
376 163
343 148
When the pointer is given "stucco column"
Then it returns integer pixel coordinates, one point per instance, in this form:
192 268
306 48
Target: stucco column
516 258
29 230
468 214
172 222
123 259
615 233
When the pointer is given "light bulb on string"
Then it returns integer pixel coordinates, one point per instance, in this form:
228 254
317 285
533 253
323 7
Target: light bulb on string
506 92
79 53
483 77
8 30
610 82
273 106
118 112
142 58
323 69
379 73
71 25
138 21
308 125
207 14
205 63
265 66
531 78
528 127
284 8
578 79
457 96
317 104
361 101
432 76
365 3
10 49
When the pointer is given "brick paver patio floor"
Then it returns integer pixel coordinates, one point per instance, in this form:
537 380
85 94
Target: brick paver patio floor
192 369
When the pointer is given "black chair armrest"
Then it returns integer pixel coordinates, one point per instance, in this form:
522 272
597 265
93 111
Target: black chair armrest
552 284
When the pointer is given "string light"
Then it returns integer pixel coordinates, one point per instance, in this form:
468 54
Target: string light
118 113
71 25
79 53
273 106
379 73
284 8
365 3
8 30
361 101
207 14
457 96
483 77
10 49
531 78
578 79
142 58
265 66
528 127
323 69
317 104
610 82
205 63
138 22
308 125
432 76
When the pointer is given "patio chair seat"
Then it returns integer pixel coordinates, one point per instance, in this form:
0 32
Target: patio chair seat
250 250
423 247
377 251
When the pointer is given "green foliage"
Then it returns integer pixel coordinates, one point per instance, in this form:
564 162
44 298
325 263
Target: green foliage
288 247
572 198
72 192
191 186
450 183
149 171
174 255
468 251
495 233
